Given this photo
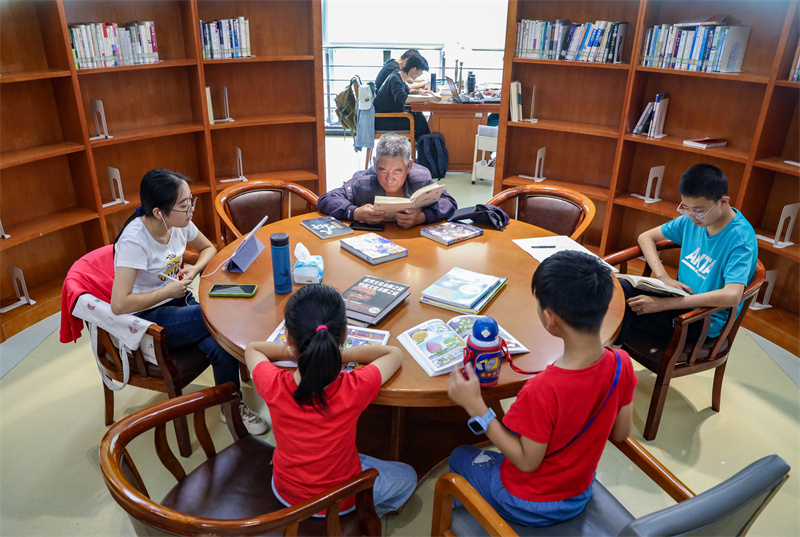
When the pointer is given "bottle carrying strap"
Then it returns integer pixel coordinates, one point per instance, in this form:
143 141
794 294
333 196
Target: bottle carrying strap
603 404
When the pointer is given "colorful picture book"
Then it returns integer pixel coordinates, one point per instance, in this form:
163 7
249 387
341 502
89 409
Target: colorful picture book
448 233
462 290
373 248
427 195
356 337
370 299
652 285
326 227
438 347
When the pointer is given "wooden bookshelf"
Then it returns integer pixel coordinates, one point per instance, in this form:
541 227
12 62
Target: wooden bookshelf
589 110
54 180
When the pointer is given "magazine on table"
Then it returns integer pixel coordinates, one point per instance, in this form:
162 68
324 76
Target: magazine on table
462 288
438 346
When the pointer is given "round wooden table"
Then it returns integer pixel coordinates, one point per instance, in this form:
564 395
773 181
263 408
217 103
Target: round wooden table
411 400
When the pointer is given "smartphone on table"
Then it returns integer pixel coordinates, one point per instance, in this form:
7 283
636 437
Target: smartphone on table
363 226
233 290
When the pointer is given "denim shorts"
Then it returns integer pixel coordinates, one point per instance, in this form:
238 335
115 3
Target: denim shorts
482 470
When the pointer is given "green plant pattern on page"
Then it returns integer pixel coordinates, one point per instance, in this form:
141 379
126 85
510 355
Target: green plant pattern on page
438 343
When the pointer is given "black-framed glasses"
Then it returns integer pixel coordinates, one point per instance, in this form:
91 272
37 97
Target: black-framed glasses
190 210
693 214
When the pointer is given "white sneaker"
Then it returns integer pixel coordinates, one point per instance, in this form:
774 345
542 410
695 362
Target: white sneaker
256 425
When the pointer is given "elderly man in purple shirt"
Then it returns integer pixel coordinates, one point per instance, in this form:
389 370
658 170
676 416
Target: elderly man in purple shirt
393 174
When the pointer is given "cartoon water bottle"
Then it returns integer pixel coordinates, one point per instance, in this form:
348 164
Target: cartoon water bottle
485 351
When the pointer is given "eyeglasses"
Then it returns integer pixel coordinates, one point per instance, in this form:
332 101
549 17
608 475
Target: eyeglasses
190 210
695 215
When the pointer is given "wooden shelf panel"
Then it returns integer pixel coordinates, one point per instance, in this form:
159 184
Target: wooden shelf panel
26 76
258 59
30 229
32 154
295 176
675 142
661 208
777 164
165 64
135 199
565 63
48 301
777 325
792 252
275 119
144 133
788 84
568 126
594 192
737 77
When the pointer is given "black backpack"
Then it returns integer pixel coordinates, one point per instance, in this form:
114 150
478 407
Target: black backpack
432 153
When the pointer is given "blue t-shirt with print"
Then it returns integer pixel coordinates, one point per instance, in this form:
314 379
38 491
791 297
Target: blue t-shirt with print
708 263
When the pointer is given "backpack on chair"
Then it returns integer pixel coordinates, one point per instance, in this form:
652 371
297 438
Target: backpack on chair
432 153
347 107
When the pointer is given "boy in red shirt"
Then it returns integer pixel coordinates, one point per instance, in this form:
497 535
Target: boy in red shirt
552 437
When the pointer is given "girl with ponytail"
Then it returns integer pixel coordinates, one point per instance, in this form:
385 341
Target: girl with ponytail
315 408
151 280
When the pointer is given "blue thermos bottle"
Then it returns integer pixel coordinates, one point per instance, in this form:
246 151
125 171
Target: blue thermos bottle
281 266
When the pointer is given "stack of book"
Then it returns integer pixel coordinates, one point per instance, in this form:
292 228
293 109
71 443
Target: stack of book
599 42
651 122
370 299
226 38
707 45
462 290
102 44
373 248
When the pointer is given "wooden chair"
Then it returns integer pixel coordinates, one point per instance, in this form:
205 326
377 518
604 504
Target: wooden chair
230 493
408 134
682 356
243 205
560 210
730 508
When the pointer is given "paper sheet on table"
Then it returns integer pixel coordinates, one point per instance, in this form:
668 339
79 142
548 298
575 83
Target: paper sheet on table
558 243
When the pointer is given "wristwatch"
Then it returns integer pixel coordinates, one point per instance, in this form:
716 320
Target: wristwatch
479 424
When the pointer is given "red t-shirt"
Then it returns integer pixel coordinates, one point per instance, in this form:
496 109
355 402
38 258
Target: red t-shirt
315 451
551 409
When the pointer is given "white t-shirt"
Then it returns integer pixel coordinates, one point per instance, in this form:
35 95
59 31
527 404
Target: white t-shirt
137 249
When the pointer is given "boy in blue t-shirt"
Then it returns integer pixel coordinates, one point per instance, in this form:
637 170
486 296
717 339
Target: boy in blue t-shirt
719 252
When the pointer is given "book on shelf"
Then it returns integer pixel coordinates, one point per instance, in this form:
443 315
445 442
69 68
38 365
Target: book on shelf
356 337
705 143
794 67
462 290
210 106
100 44
644 120
651 285
371 298
713 20
425 196
733 49
706 46
438 346
326 227
515 101
448 233
659 115
225 38
373 248
598 42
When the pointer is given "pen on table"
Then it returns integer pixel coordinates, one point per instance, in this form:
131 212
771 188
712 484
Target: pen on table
169 277
544 246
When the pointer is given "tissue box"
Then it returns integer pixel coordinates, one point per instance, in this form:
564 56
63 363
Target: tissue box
310 271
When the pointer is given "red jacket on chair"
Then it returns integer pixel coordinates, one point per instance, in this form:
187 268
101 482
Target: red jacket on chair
93 273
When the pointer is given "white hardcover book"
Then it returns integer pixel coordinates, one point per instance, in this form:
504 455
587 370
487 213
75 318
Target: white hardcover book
210 107
666 55
735 47
242 37
78 40
687 51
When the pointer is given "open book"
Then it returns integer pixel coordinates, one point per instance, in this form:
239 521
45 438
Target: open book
652 285
356 337
438 347
427 195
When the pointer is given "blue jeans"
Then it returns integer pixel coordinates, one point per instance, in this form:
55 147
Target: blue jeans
183 322
482 470
394 485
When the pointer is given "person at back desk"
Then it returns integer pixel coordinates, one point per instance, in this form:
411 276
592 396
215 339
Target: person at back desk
393 174
394 94
393 66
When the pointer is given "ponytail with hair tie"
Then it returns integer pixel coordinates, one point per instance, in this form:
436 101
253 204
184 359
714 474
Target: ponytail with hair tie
139 211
